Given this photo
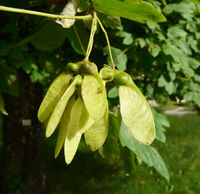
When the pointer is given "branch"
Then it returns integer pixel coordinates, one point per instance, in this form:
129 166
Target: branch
37 13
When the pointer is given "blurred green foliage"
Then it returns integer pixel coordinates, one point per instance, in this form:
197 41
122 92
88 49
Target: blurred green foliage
164 58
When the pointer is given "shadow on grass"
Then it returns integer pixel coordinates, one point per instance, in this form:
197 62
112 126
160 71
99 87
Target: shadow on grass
89 173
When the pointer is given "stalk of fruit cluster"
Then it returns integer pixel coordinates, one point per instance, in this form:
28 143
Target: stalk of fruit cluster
92 33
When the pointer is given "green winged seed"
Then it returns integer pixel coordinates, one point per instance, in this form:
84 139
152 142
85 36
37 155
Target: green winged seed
53 95
96 135
79 122
64 126
94 96
136 113
60 107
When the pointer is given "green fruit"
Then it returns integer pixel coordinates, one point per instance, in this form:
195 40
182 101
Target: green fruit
53 95
96 135
64 126
89 68
122 78
94 96
60 107
75 67
107 74
136 113
83 67
79 122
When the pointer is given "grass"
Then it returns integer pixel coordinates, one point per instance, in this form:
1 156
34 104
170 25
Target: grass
89 173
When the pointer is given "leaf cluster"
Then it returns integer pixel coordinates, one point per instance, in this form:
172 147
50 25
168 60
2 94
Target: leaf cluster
163 57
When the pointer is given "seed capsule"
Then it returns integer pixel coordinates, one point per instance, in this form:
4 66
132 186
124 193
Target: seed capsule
107 74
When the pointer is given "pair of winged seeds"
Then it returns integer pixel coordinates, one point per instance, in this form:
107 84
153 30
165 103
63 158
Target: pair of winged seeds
85 113
77 100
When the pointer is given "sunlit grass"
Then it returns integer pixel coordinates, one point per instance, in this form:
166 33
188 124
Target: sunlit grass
89 173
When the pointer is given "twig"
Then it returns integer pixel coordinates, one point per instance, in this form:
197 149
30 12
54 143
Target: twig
37 13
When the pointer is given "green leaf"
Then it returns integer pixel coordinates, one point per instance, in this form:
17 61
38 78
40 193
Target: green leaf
170 87
160 133
193 96
196 1
160 122
2 104
127 37
94 96
173 51
78 37
153 26
136 113
5 48
141 42
189 72
80 121
119 58
175 32
181 44
53 95
161 81
113 93
60 107
155 50
197 78
134 10
193 43
28 65
111 145
172 75
189 96
96 135
109 21
49 37
192 62
185 8
193 26
196 98
8 79
149 90
64 126
147 153
176 66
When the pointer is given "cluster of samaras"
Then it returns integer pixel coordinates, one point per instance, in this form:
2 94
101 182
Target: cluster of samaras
77 100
